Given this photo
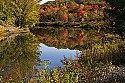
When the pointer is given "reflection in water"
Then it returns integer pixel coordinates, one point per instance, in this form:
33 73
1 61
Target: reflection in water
57 42
72 38
18 58
54 54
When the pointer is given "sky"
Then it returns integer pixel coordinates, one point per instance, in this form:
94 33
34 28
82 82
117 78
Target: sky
54 55
45 1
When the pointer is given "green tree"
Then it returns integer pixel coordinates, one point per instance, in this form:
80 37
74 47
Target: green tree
6 17
19 12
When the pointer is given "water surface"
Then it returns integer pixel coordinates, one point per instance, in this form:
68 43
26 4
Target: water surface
20 55
54 55
55 43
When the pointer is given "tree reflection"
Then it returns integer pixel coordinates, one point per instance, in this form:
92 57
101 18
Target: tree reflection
18 58
60 37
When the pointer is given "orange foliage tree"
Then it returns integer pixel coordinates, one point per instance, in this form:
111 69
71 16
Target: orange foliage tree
90 12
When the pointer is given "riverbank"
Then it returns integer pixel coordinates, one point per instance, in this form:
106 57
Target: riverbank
11 32
60 23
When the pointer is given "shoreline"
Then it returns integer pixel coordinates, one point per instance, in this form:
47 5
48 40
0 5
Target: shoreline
60 23
11 32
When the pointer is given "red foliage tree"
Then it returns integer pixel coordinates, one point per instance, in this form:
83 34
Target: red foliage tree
80 13
65 17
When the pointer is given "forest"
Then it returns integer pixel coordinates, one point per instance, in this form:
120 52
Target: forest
95 27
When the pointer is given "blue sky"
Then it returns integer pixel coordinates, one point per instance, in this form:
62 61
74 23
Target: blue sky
45 1
54 55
